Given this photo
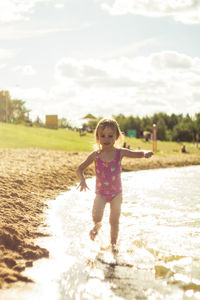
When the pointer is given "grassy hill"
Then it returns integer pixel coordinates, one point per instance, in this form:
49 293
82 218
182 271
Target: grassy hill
19 136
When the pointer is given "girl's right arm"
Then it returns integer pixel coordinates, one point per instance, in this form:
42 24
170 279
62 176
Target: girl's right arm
135 153
81 168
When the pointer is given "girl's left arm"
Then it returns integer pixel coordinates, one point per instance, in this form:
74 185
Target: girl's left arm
80 170
135 153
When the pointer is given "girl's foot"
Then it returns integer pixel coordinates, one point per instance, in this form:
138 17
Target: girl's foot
95 231
115 249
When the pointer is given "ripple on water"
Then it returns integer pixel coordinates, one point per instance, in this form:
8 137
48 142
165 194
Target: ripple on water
159 245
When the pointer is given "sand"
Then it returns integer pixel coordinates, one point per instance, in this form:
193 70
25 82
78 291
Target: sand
30 177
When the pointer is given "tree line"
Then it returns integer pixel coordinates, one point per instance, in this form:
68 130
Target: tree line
12 110
169 127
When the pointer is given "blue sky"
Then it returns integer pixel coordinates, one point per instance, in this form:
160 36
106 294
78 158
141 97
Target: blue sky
73 57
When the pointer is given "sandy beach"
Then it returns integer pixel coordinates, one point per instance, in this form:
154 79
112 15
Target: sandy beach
28 178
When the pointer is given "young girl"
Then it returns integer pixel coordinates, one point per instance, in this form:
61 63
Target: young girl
108 175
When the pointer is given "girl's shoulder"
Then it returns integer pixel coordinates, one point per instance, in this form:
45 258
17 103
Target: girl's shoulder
96 154
93 154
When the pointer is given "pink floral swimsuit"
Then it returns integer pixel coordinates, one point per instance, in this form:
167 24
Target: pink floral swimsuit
108 177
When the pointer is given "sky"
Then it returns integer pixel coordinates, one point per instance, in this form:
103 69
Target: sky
105 57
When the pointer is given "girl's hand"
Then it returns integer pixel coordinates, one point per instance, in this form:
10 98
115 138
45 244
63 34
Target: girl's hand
83 186
148 154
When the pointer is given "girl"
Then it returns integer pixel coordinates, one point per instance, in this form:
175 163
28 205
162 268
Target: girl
108 175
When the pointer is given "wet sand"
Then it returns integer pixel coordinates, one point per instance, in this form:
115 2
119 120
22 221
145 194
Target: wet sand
28 178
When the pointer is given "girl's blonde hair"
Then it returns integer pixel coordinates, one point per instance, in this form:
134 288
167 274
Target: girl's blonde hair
103 123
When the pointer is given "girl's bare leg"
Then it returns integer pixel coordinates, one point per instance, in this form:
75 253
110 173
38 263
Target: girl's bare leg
97 215
115 211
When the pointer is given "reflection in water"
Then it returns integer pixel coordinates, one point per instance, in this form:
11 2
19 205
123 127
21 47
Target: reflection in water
159 245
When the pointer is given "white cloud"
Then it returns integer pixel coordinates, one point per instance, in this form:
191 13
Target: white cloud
172 60
162 82
196 97
141 85
15 10
111 73
18 10
186 11
6 53
26 70
2 66
59 5
124 72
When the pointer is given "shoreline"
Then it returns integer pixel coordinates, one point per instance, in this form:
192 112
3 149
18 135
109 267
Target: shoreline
30 177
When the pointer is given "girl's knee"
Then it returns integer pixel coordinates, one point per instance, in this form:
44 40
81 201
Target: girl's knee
115 216
98 209
114 220
97 215
96 218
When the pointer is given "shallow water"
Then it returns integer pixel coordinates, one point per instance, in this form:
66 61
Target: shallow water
159 243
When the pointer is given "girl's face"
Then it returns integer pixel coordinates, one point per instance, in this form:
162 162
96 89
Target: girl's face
107 137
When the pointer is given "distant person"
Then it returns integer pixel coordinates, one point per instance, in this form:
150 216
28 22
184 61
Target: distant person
107 161
126 146
183 149
80 130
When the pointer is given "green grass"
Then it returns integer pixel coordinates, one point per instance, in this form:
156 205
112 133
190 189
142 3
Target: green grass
19 136
162 147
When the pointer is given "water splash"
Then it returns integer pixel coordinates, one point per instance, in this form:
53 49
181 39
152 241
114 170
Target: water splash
159 246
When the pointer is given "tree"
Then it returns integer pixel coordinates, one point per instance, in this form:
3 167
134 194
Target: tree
12 110
147 123
182 132
38 122
64 123
121 119
5 106
161 130
19 111
197 123
169 127
197 120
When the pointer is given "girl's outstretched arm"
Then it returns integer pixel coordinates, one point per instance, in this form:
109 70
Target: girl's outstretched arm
135 153
80 171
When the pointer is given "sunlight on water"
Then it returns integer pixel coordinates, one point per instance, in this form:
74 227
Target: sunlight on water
159 244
